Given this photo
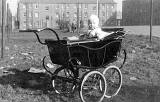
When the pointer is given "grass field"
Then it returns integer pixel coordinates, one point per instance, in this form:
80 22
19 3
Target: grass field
143 30
23 52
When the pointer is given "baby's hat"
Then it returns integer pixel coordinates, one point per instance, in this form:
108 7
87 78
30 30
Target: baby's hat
94 19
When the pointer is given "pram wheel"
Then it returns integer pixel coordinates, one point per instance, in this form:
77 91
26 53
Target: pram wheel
63 81
90 90
113 78
121 58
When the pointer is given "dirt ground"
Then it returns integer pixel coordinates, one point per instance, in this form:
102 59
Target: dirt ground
141 72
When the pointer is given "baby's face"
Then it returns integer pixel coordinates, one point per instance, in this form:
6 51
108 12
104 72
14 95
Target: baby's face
92 24
89 25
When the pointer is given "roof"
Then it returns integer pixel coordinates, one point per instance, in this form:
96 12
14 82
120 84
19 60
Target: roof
67 1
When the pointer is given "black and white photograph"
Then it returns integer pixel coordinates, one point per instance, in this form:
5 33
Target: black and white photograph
79 50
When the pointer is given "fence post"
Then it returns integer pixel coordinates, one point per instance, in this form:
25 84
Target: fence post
2 29
151 16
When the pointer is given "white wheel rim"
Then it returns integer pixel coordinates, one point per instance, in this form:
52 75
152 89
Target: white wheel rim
104 72
85 78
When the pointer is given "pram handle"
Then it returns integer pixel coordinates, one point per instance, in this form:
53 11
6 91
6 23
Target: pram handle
39 30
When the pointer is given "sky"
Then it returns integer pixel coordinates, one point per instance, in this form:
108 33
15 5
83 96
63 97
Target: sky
13 5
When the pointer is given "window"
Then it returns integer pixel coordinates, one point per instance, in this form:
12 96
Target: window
25 14
80 6
36 15
47 8
24 23
24 6
37 24
86 6
75 7
30 14
47 17
103 13
103 6
107 7
112 6
62 6
75 14
67 5
30 6
67 14
30 24
57 15
36 6
63 14
85 14
94 7
57 6
107 14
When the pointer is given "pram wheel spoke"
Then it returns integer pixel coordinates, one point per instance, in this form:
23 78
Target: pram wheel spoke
63 81
113 78
90 90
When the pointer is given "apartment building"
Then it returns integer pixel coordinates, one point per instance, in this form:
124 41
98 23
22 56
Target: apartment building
7 16
33 14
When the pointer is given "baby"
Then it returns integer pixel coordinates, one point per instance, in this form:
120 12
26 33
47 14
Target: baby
94 31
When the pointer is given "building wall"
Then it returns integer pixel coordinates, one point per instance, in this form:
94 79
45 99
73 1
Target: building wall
38 15
8 20
137 12
7 16
22 16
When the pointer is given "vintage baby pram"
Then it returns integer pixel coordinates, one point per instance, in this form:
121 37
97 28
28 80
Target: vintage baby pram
84 65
